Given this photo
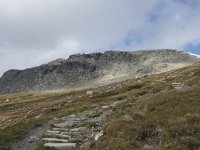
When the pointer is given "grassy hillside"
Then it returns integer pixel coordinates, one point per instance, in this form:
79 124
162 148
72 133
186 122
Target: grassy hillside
156 116
162 121
158 112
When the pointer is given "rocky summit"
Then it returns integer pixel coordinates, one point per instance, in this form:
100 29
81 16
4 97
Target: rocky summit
89 70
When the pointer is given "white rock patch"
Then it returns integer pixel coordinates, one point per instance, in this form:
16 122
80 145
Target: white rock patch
98 135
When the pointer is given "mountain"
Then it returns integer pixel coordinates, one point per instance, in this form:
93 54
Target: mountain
87 70
156 112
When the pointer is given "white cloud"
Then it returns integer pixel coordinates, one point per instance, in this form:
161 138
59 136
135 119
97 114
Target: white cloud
36 31
175 26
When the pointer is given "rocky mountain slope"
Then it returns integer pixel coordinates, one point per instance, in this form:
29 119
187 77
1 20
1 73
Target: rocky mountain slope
87 70
153 112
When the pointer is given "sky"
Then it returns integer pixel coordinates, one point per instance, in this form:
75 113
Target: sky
33 32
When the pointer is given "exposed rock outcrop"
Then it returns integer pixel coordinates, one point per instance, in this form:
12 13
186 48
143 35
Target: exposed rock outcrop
84 70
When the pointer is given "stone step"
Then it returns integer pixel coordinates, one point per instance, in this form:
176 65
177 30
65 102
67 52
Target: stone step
58 135
76 118
72 129
87 113
54 140
61 146
66 124
72 115
79 115
72 121
80 129
105 107
73 134
60 129
52 132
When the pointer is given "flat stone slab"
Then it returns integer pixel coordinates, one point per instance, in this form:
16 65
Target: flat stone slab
89 112
58 135
106 107
60 129
80 129
76 119
80 115
71 121
53 132
73 115
54 140
65 133
33 138
71 133
64 124
61 146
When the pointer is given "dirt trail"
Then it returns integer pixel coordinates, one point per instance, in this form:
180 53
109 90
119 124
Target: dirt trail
30 140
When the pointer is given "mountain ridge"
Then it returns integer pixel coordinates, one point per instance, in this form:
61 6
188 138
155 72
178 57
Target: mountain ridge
85 70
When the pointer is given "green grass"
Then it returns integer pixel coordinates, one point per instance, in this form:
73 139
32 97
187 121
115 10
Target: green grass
17 131
165 121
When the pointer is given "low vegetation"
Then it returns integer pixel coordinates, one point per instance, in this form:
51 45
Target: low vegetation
163 121
153 114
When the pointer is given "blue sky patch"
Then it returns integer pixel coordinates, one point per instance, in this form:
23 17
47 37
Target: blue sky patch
156 11
131 38
191 3
193 48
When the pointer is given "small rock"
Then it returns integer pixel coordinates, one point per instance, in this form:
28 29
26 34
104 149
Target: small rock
128 117
178 85
98 135
105 107
33 138
148 147
68 97
38 116
89 92
7 100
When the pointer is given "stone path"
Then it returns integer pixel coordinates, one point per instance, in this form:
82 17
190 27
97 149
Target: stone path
178 85
76 131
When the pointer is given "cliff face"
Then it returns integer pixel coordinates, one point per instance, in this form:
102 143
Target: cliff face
84 70
46 77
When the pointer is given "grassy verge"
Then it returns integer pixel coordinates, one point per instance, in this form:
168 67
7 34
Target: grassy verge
168 121
8 135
